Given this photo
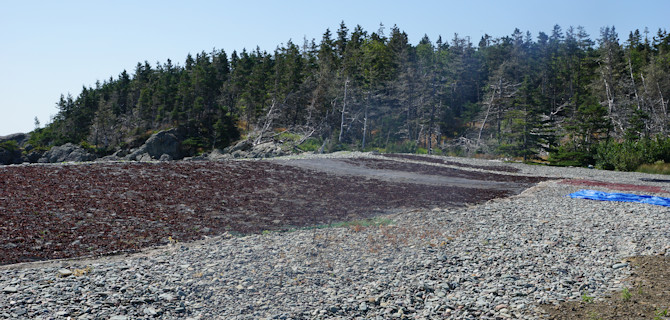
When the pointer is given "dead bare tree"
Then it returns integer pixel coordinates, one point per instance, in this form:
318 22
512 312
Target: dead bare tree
269 118
344 109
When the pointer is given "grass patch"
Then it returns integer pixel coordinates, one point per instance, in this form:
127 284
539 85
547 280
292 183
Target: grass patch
655 168
625 294
586 298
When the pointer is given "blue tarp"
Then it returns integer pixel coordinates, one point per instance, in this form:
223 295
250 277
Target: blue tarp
624 197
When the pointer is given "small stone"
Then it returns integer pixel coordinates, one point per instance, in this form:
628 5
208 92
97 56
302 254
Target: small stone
118 318
363 306
10 290
62 313
64 273
619 265
166 297
150 311
500 306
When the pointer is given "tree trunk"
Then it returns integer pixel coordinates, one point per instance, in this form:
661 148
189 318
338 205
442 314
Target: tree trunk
430 129
488 111
365 124
632 79
344 109
660 93
608 92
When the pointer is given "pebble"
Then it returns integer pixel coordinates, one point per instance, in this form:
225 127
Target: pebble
166 297
495 260
150 311
64 272
10 290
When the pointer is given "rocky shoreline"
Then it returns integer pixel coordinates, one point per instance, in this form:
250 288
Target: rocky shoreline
496 260
161 146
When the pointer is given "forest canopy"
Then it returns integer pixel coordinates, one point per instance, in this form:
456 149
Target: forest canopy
560 96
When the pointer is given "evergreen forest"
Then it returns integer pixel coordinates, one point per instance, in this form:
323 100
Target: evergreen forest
560 97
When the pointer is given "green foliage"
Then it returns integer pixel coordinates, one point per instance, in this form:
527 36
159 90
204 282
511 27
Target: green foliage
661 314
587 131
405 146
586 298
193 145
289 137
567 155
310 145
87 146
10 145
512 95
625 294
629 155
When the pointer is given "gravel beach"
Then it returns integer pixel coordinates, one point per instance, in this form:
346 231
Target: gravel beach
496 260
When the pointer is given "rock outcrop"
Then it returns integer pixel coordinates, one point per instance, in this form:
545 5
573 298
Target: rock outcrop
266 150
247 149
20 138
163 145
242 149
65 153
10 148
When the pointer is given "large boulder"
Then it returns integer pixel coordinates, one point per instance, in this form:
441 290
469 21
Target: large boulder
159 144
65 153
34 156
244 146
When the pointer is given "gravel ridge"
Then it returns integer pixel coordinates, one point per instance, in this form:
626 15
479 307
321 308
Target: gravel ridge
495 260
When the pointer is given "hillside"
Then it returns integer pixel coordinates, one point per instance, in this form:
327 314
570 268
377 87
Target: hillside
560 95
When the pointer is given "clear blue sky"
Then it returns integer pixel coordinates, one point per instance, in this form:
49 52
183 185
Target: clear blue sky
49 48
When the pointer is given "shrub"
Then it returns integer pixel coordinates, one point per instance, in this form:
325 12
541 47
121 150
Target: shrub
10 145
406 146
311 144
630 155
568 156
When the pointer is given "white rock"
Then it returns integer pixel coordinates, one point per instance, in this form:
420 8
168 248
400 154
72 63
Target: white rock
150 311
166 297
64 272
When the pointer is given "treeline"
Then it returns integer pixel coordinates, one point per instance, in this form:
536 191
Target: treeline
561 95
